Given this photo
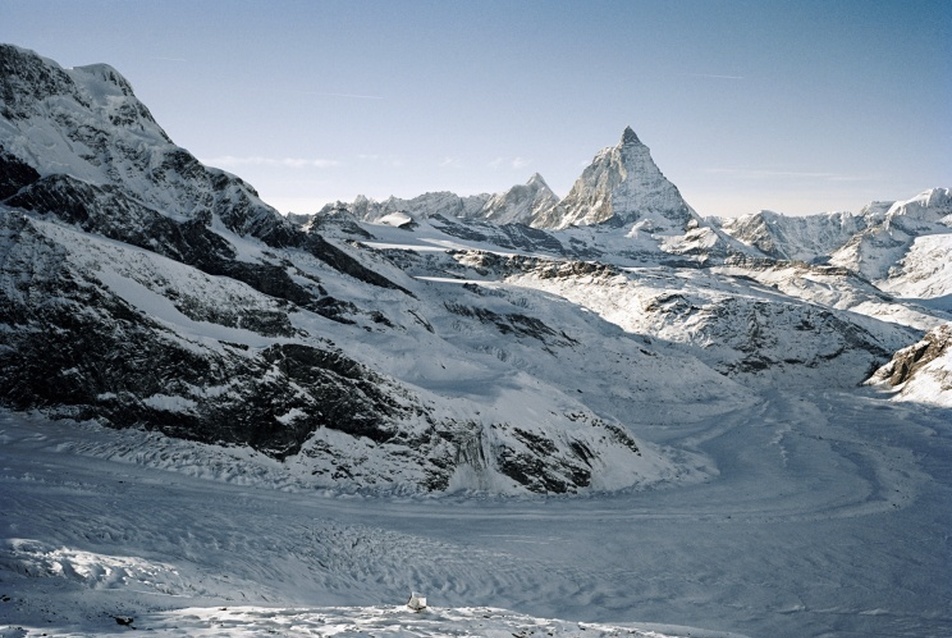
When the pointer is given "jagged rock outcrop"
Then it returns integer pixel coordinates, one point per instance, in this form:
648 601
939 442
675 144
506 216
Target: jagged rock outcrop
923 371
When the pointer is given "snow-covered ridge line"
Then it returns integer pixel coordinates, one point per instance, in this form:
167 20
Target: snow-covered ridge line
621 186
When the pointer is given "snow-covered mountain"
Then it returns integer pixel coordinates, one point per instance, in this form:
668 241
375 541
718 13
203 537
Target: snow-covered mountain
808 239
266 384
621 206
521 203
876 243
624 187
143 289
518 205
877 250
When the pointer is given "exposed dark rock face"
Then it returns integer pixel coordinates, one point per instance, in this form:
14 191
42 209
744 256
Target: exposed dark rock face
909 361
14 174
81 351
110 212
333 256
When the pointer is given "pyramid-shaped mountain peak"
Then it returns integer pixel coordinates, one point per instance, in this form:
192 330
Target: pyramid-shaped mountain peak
537 180
621 186
629 137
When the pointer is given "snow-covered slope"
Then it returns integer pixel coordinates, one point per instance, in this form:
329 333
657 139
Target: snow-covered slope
874 251
924 273
922 372
890 261
809 239
821 503
143 289
745 331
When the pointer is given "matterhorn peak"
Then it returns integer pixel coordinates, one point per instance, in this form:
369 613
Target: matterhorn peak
621 186
629 137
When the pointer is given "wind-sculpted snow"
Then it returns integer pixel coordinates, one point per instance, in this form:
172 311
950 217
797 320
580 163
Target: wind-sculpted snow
379 621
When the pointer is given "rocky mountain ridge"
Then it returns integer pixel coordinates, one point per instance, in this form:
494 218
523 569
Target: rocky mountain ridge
406 347
622 187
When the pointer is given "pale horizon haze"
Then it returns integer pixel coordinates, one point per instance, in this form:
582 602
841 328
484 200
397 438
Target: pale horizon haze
797 107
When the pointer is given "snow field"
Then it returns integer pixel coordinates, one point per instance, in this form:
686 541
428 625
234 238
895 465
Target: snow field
825 516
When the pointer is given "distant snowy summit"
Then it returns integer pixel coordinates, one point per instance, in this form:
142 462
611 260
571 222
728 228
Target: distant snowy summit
521 204
622 187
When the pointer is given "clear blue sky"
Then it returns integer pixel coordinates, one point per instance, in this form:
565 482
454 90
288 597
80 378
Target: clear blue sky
799 107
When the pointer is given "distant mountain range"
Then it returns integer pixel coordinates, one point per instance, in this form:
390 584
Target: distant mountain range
504 343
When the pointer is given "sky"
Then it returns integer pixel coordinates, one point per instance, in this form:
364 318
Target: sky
797 107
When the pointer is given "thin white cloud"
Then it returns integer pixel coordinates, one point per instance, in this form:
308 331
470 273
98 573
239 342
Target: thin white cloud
451 162
387 160
509 162
257 160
